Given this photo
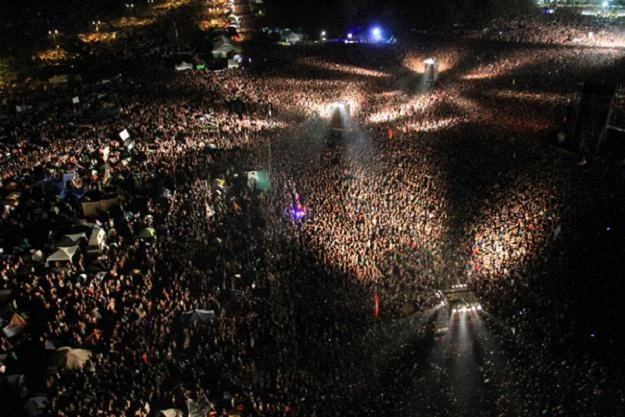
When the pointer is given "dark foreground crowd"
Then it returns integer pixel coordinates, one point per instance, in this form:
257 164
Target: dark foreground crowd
209 293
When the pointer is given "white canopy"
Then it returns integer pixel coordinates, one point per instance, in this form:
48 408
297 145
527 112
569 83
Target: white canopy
293 37
124 135
71 240
69 358
171 412
37 255
199 316
64 254
96 240
184 66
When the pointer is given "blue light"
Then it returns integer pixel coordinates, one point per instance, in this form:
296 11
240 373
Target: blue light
298 214
376 33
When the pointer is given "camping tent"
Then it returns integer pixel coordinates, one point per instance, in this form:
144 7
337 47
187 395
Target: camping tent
200 407
63 254
69 358
36 406
147 233
198 316
16 325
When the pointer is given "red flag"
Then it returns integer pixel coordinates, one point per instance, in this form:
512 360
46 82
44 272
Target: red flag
376 304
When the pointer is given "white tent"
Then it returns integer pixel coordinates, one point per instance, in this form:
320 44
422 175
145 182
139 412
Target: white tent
97 240
71 240
64 254
36 255
124 135
199 316
224 47
292 37
171 412
199 407
184 66
69 358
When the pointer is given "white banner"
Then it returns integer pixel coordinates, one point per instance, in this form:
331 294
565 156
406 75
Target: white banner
124 135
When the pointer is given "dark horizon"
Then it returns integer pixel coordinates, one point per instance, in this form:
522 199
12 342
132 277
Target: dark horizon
309 15
396 14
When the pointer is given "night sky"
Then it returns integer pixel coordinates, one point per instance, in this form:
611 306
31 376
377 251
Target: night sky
337 14
307 14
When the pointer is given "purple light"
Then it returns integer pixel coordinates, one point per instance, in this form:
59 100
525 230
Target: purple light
299 214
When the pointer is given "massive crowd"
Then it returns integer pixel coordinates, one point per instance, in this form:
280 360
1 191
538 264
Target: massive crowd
429 188
560 28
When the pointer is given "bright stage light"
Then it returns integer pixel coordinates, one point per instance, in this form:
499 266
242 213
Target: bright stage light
350 36
336 106
429 61
342 106
376 33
